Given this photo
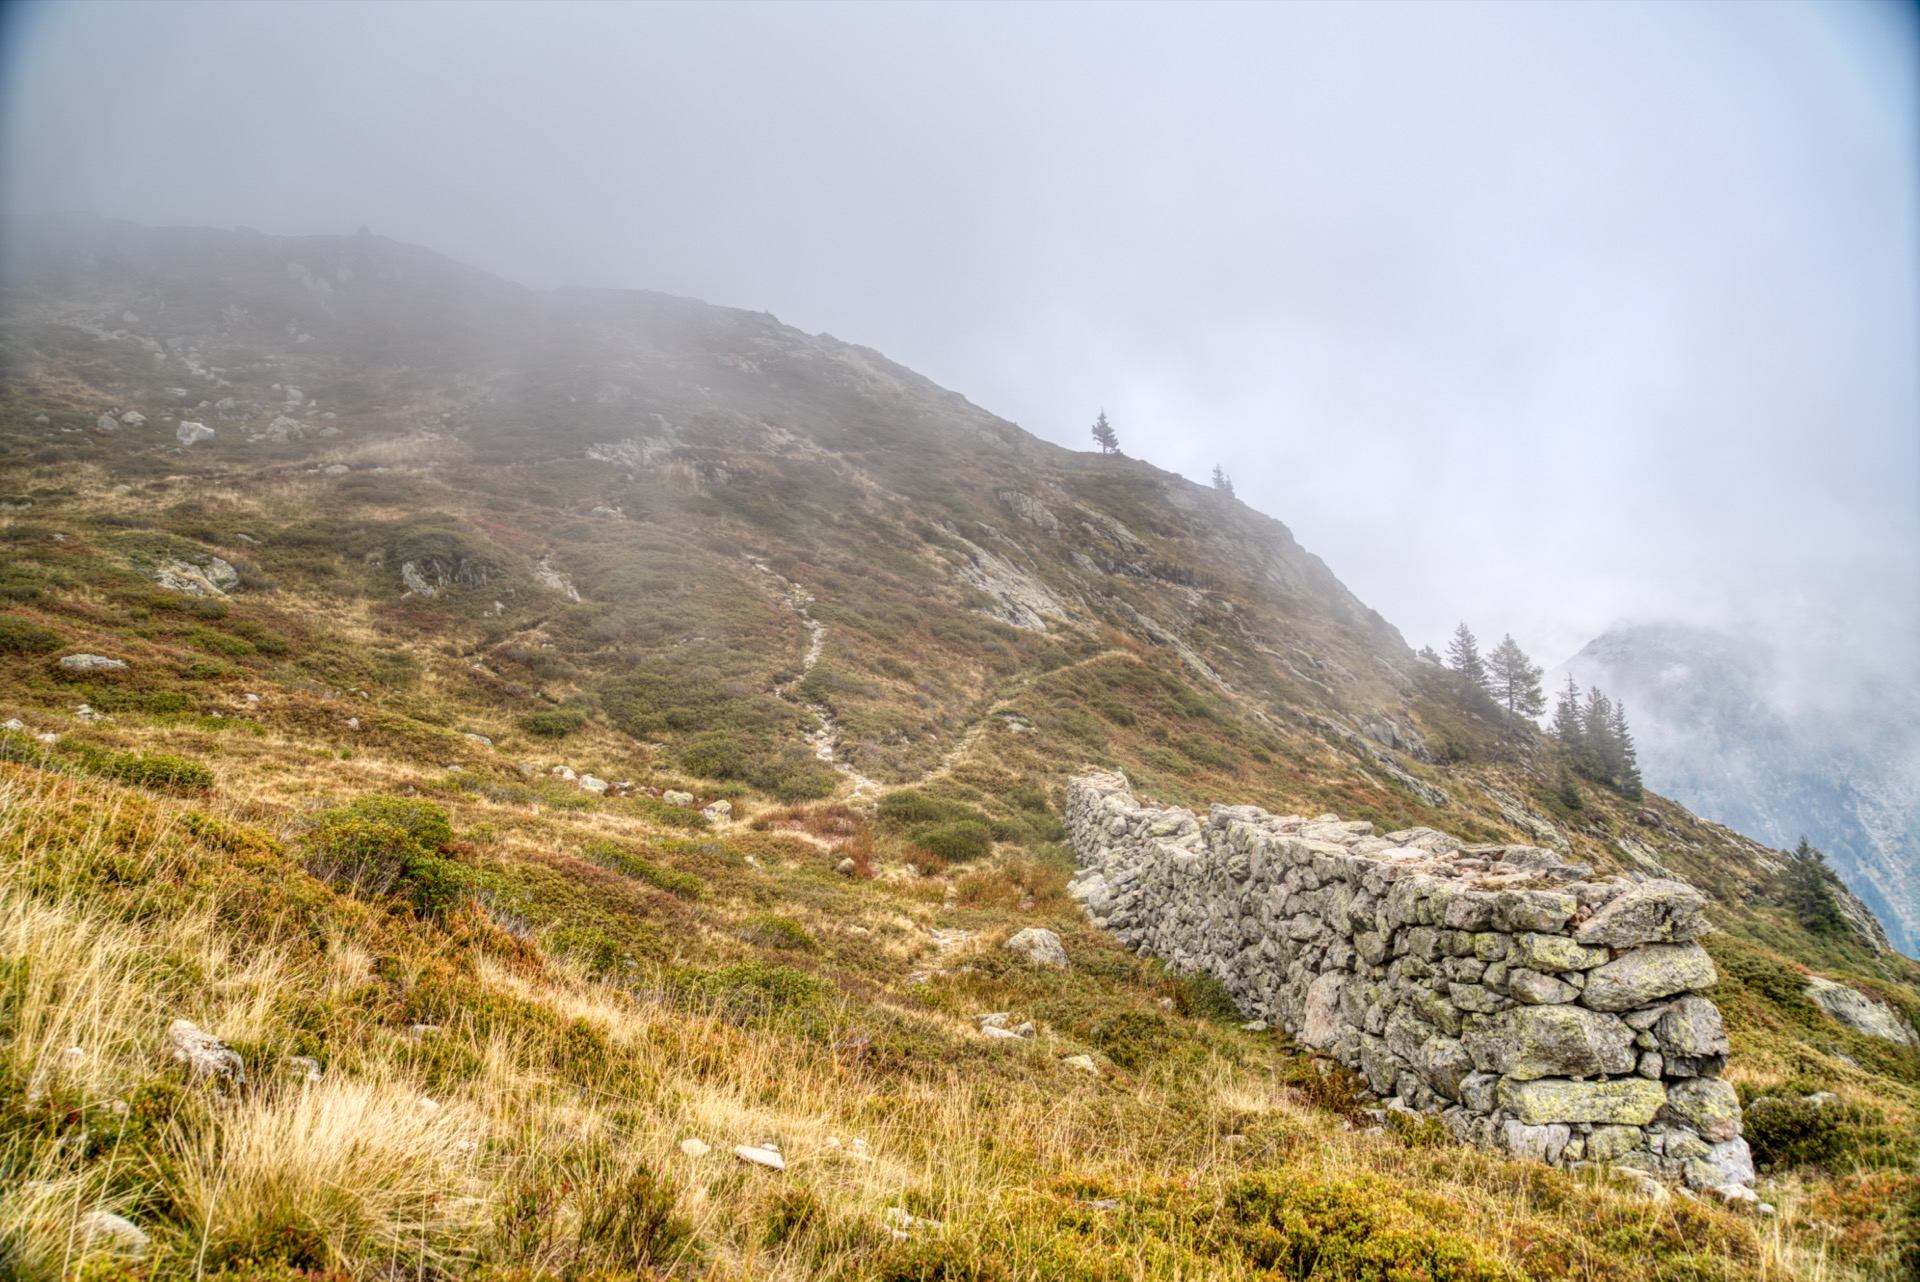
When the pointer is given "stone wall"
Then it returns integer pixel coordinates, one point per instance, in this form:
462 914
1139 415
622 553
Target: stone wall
1529 1007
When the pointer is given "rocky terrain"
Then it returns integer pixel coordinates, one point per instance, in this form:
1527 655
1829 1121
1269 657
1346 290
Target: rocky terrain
511 785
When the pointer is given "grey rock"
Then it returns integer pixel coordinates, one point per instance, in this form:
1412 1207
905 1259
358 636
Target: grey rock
1535 989
106 423
92 663
1708 1105
1550 954
1692 1038
1041 947
192 433
1647 974
1657 911
1631 1101
206 1057
1551 1041
1852 1009
1728 1164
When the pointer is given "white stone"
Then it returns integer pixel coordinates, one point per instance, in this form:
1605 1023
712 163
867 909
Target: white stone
593 783
695 1148
764 1155
103 1230
1082 1062
192 433
92 663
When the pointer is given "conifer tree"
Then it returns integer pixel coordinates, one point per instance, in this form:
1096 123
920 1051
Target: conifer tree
1566 719
1626 763
1222 482
1596 756
1810 892
1103 433
1515 679
1463 656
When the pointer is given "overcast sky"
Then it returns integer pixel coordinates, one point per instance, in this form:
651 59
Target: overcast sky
1541 316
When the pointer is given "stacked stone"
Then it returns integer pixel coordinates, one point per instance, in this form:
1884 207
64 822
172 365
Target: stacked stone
1531 1008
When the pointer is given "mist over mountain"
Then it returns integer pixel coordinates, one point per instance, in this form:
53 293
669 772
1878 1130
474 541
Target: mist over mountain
1754 736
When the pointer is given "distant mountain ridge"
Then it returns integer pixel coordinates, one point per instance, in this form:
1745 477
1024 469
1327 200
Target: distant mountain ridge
1716 734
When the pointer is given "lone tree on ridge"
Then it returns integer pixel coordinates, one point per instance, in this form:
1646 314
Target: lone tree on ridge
1221 481
1103 433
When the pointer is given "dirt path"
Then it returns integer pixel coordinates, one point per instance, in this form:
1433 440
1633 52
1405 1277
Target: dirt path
826 739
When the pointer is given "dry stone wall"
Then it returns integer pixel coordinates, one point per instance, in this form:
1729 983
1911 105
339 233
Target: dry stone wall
1501 988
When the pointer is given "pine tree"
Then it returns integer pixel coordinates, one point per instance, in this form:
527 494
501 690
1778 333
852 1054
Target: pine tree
1222 482
1810 892
1103 433
1515 679
1566 720
1597 750
1626 765
1463 656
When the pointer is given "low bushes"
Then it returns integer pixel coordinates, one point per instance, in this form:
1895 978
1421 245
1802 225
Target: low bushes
380 846
554 723
153 770
23 636
611 855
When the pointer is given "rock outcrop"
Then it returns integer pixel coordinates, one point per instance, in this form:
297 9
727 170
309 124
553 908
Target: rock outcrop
1531 1008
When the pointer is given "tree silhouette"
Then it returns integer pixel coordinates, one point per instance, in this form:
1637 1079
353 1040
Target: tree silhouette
1514 679
1463 656
1103 433
1222 482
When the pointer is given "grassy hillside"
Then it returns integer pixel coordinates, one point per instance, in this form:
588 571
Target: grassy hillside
491 548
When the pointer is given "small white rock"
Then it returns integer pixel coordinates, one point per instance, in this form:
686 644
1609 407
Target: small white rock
767 1157
695 1148
107 1231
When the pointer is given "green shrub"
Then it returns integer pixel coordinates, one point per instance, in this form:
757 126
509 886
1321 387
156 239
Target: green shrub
609 855
1201 996
956 842
379 846
715 755
553 723
155 770
769 931
631 1225
425 823
263 640
1132 1038
1795 1132
756 990
1298 1226
363 855
592 945
23 636
219 643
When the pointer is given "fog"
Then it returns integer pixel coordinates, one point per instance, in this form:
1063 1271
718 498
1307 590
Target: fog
1540 317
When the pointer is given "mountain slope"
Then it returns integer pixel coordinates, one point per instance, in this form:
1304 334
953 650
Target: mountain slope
623 721
1715 735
